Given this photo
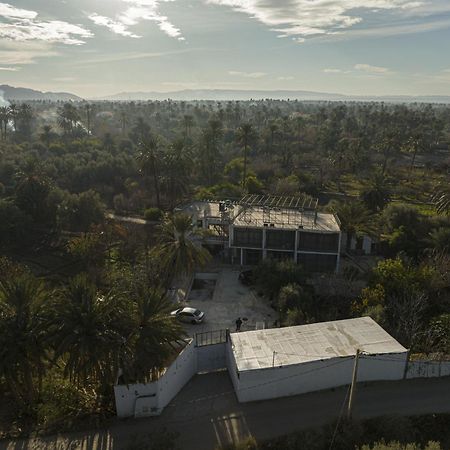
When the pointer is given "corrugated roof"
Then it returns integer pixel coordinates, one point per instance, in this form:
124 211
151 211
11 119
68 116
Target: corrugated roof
305 343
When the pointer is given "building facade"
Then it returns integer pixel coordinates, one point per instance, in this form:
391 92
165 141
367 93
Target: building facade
261 226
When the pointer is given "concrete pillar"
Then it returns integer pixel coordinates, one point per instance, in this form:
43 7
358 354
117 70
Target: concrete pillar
264 251
297 237
338 258
242 256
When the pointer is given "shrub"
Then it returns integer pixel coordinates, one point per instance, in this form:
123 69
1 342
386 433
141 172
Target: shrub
153 214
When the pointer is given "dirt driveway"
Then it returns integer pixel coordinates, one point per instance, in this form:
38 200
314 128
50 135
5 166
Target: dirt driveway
224 298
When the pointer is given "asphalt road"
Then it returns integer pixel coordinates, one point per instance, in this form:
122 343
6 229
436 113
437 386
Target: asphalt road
206 413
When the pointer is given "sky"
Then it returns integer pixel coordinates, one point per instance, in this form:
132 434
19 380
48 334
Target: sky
96 48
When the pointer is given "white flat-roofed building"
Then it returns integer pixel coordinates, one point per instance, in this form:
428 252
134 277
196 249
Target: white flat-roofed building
280 362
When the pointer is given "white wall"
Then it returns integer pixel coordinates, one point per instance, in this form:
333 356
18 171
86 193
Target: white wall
313 376
149 399
428 369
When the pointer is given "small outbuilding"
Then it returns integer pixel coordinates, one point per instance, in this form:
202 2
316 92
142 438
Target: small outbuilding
280 362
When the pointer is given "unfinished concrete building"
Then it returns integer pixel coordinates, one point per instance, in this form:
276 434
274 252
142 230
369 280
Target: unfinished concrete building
265 226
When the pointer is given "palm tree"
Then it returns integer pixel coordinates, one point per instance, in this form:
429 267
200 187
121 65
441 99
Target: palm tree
86 331
245 134
68 118
354 218
88 109
178 251
148 159
25 117
22 351
209 150
13 112
46 135
154 334
4 120
376 195
188 122
177 166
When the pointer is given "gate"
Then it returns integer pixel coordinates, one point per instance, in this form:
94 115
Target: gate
211 350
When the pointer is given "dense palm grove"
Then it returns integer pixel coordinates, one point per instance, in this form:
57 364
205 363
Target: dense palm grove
82 297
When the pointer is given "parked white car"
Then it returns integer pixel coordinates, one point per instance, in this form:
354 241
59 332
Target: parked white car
188 315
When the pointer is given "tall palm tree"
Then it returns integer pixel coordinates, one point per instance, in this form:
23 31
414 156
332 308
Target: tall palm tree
154 334
376 195
148 158
177 167
68 118
245 134
46 135
188 122
355 219
13 113
178 251
209 150
88 109
86 331
4 120
22 350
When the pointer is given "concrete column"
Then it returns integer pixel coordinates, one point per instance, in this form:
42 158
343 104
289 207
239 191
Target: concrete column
242 256
264 251
296 245
338 258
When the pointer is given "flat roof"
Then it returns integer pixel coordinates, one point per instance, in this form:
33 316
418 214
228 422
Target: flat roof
305 343
283 218
257 216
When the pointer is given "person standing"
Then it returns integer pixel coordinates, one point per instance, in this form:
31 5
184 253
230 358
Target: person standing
238 324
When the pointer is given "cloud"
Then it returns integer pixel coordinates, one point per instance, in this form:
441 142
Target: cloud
114 25
25 52
136 12
23 25
9 69
246 74
375 70
11 12
334 71
301 19
288 78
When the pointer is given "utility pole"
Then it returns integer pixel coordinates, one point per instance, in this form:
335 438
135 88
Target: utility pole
353 387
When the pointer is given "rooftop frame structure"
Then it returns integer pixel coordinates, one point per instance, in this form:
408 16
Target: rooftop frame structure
300 203
280 210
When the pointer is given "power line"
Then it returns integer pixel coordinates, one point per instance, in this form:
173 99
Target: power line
339 419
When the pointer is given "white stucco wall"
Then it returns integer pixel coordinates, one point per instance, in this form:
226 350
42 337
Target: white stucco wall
290 380
149 399
428 369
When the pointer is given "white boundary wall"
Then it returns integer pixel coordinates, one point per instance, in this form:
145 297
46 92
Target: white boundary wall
428 369
149 399
284 381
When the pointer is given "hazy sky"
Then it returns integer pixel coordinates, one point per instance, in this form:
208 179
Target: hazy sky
99 47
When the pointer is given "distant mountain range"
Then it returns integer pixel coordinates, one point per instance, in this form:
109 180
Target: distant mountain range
22 94
19 94
228 94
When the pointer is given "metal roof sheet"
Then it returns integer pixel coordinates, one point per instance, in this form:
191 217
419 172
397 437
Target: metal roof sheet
305 343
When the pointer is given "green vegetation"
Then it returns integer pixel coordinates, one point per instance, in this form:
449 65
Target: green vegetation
384 433
83 294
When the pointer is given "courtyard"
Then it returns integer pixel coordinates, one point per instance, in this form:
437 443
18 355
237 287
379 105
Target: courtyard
223 298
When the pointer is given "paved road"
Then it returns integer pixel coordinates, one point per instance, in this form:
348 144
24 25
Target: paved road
206 413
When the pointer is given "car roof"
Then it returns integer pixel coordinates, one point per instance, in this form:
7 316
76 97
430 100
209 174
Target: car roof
189 310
